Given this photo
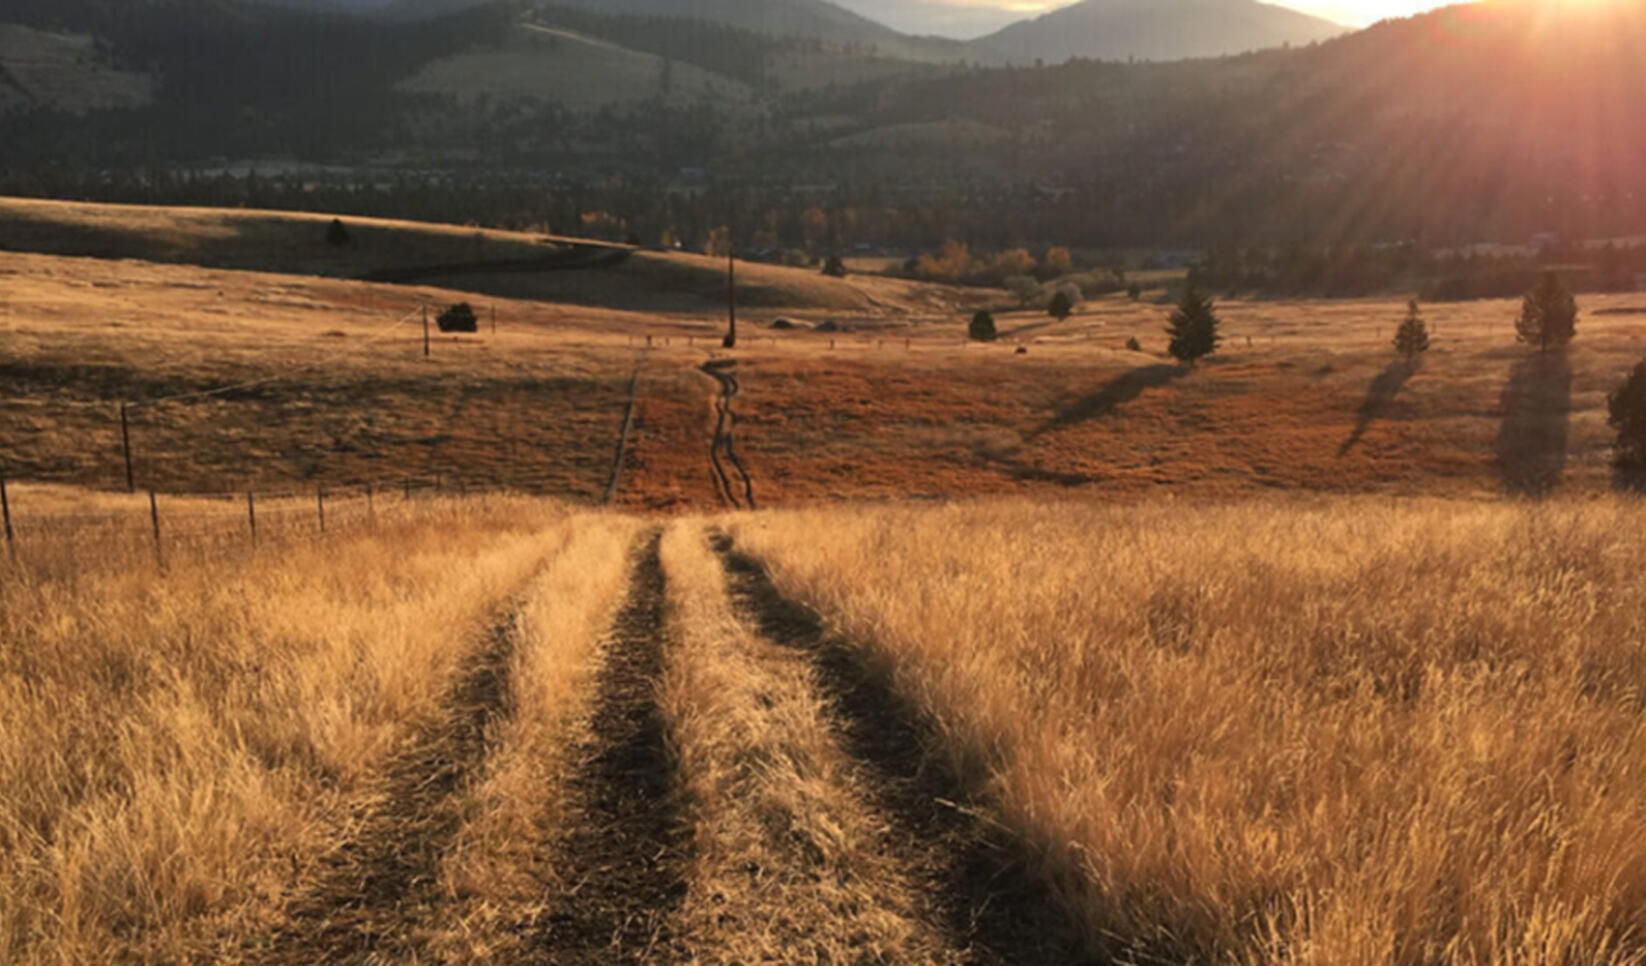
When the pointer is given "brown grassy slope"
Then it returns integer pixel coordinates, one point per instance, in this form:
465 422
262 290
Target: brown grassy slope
179 753
1293 731
295 243
1312 401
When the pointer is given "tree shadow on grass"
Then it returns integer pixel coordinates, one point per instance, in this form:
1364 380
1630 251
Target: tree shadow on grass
1537 403
1379 395
1629 479
1120 390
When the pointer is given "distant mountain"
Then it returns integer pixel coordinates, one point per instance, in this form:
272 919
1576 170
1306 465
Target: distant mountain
803 19
1153 30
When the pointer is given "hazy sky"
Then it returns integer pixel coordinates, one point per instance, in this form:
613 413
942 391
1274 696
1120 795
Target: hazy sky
972 18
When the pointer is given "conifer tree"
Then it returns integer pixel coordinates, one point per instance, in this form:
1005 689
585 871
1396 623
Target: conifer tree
1548 314
982 327
1193 327
1628 416
1412 338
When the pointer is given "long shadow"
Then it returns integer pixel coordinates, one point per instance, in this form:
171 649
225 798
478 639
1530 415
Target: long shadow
1118 391
1379 395
1630 480
386 878
984 889
1537 403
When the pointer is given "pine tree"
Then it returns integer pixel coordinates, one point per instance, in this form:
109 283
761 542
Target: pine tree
1412 338
1193 327
1628 416
1548 314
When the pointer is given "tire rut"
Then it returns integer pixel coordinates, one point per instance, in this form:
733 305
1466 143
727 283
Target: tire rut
980 888
377 893
624 847
724 372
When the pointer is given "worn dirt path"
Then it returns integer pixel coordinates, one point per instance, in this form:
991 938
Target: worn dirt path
974 876
623 847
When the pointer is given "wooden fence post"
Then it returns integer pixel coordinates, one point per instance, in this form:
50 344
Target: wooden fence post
5 511
125 446
251 517
425 331
154 521
371 503
494 321
320 506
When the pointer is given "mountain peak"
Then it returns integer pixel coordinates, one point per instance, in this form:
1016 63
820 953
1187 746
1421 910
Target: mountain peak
1156 30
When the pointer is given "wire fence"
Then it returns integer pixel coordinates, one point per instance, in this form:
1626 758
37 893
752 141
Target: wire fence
43 531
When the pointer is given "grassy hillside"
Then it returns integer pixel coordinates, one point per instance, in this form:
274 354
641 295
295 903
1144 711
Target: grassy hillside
566 68
879 396
489 262
44 70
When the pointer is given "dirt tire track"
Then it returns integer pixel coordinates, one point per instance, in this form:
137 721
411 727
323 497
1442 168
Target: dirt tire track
723 371
377 893
624 849
980 889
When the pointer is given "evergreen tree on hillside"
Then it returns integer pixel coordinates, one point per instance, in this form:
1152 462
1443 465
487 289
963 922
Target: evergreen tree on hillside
982 327
1627 407
1548 314
1412 338
1193 327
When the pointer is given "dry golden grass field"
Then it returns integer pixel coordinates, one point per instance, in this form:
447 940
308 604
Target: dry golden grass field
1070 656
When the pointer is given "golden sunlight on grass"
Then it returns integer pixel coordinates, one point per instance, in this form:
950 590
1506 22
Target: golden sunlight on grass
791 864
179 753
1310 732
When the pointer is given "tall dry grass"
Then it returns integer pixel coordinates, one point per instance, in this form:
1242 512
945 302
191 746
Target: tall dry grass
789 862
175 753
503 864
1292 732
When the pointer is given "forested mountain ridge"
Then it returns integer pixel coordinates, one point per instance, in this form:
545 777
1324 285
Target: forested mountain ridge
1493 120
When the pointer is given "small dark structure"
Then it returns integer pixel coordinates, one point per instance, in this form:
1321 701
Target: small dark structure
835 267
337 234
982 327
459 318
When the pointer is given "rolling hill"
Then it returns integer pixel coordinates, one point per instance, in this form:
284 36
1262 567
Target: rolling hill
1153 30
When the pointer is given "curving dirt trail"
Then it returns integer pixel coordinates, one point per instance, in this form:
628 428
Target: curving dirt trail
724 371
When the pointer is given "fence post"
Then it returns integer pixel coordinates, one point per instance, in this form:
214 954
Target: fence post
251 516
320 505
494 321
371 503
5 511
425 331
125 447
154 521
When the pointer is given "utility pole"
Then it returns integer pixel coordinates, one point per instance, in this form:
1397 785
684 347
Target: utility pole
730 341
